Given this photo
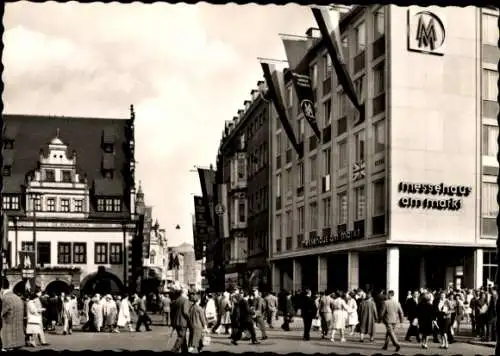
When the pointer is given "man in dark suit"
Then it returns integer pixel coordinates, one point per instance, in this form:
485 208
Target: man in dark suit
309 311
142 315
411 313
245 321
180 321
391 314
491 315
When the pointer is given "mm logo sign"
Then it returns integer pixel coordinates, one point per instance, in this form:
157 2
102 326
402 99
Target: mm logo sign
426 32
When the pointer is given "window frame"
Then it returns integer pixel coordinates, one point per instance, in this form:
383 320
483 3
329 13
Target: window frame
360 146
360 46
64 176
61 247
51 204
65 205
360 203
78 205
39 255
376 206
379 13
378 147
98 253
379 79
342 207
79 257
113 254
488 148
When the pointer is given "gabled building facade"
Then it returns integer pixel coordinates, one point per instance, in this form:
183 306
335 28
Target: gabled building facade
69 197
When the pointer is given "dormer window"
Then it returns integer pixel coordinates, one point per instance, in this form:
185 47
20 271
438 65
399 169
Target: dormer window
6 171
109 205
66 176
50 175
8 144
108 147
10 202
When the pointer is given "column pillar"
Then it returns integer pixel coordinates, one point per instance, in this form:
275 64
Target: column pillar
393 270
322 274
423 273
352 270
297 276
275 278
478 268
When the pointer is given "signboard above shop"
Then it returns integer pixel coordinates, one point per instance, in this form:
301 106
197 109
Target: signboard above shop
332 238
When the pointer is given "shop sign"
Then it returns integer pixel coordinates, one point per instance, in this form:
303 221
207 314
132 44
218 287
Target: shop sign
432 196
335 237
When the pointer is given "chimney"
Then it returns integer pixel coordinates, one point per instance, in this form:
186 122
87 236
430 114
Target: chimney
312 34
240 113
247 104
235 118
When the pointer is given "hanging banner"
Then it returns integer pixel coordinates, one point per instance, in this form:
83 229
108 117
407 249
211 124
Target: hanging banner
197 241
295 49
305 95
276 87
327 29
221 210
207 181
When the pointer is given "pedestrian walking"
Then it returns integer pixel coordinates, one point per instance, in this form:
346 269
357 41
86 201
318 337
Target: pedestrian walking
391 314
34 326
97 314
180 321
259 309
368 316
425 317
12 332
288 312
210 311
165 309
197 324
142 315
443 313
352 313
309 312
271 308
243 320
339 316
125 314
325 313
411 314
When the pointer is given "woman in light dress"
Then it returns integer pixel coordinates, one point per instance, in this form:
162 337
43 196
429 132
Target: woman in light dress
69 314
124 314
210 311
110 313
352 314
34 327
340 312
96 311
226 313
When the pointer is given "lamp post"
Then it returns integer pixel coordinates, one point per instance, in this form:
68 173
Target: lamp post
140 210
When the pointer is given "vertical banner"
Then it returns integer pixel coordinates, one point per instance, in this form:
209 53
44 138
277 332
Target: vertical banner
207 182
305 95
276 86
200 234
146 231
5 231
327 29
197 242
27 259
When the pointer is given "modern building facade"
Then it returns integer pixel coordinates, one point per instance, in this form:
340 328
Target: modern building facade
69 197
243 163
406 196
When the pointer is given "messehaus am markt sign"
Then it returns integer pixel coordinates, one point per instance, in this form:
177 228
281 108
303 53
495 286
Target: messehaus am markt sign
425 196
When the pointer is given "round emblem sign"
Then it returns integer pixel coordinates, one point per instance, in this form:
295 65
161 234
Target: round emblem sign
219 209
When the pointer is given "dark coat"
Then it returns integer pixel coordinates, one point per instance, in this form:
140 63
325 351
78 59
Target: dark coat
368 316
180 312
411 309
425 314
309 309
244 311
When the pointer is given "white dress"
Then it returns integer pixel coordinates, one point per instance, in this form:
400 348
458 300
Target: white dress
339 314
124 317
352 314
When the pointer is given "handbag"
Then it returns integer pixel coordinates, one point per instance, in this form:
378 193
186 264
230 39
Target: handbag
415 322
316 323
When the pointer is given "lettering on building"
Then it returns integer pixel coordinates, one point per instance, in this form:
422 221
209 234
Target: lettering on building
341 236
426 32
432 196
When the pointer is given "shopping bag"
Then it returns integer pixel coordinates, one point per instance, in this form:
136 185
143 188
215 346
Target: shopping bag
206 340
316 323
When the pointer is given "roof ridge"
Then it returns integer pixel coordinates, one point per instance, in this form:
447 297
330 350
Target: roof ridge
63 117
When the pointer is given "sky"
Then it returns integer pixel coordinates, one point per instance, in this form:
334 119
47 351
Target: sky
185 68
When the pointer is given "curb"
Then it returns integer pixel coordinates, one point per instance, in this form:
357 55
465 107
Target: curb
479 343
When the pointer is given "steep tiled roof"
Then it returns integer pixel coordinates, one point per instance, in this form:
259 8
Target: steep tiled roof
83 136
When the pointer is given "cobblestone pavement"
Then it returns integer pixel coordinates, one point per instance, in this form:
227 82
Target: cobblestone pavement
279 341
